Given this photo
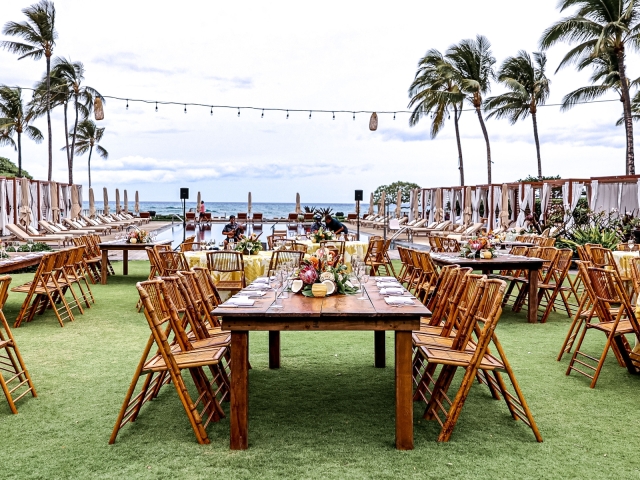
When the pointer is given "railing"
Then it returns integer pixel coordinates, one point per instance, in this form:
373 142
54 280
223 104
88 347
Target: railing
176 216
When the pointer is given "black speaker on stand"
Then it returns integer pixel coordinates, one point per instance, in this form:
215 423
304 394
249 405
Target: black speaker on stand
184 196
358 200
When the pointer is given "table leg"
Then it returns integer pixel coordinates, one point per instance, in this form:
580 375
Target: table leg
404 391
274 349
379 349
533 296
239 391
104 267
125 262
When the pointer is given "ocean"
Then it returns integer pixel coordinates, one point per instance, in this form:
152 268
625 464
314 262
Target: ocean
218 209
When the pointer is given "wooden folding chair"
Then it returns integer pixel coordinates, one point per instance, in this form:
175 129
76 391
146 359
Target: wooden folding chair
281 257
157 310
617 319
43 291
227 263
18 382
435 243
172 262
76 274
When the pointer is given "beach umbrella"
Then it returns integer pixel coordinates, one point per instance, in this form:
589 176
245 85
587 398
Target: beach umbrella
439 212
136 207
75 202
105 195
298 209
249 205
399 204
381 203
371 204
55 203
504 208
25 210
92 204
126 202
467 206
118 201
415 207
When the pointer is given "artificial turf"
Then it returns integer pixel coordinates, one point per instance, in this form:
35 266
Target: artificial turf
327 413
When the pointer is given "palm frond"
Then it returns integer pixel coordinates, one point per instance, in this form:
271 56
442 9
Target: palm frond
583 94
34 134
102 152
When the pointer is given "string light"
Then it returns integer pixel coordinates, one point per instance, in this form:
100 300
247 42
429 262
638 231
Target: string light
309 114
238 112
185 109
394 115
334 115
211 111
156 106
354 115
262 116
287 114
127 104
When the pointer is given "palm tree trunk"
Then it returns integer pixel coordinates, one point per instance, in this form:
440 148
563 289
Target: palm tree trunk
455 122
535 136
73 139
66 129
486 139
628 120
19 154
49 116
89 165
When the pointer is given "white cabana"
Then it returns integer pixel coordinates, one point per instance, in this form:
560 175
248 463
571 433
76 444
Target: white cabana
526 195
494 222
475 204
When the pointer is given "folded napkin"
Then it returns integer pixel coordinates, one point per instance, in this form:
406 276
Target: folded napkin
386 279
398 301
392 291
388 285
261 280
253 293
240 302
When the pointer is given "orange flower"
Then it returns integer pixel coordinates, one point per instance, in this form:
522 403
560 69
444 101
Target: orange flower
314 261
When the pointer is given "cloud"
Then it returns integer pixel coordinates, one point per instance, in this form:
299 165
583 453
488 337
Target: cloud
396 134
226 83
130 61
138 169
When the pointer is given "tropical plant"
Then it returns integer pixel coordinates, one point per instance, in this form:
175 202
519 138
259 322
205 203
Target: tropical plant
600 26
529 87
10 169
472 69
391 192
86 136
38 36
16 119
435 92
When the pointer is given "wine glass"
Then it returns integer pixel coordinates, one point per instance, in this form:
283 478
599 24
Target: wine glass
275 284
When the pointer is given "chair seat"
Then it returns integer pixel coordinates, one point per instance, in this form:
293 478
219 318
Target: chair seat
459 359
190 359
624 327
229 285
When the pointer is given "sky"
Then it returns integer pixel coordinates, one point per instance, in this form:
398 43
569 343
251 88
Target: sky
331 55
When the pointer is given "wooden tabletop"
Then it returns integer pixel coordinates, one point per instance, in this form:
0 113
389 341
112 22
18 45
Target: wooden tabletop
122 245
502 261
20 260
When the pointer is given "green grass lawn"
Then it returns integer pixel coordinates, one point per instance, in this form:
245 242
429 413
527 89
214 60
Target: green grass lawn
327 413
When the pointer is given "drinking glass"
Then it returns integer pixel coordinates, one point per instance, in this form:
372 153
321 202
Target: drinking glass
275 284
360 273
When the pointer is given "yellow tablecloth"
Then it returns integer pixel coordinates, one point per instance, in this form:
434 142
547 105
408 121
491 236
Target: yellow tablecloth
254 265
623 261
350 249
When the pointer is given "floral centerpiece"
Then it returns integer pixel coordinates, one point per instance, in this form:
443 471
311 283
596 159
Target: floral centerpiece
249 245
320 275
321 234
138 236
478 247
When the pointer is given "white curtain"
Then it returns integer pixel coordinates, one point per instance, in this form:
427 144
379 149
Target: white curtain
628 198
18 204
475 205
45 192
432 210
11 207
497 201
411 195
80 198
65 207
594 195
33 203
608 197
512 201
3 207
565 201
527 202
484 196
544 201
570 204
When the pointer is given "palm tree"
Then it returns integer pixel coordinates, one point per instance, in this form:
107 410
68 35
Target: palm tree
14 119
434 92
89 136
598 26
66 81
529 87
39 36
473 70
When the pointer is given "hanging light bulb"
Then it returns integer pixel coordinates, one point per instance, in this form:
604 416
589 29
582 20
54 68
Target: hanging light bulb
238 111
394 115
334 115
185 108
156 106
262 116
309 114
287 114
212 111
97 108
127 104
354 115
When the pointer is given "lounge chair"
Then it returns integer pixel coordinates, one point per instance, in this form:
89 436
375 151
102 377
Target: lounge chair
73 225
371 221
123 219
473 230
257 220
352 217
441 227
53 230
292 222
90 223
24 236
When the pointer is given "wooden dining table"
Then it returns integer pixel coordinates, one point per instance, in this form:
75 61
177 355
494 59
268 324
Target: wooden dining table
503 261
125 247
338 313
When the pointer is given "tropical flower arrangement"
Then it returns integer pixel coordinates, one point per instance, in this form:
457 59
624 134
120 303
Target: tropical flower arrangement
249 245
479 247
138 236
320 275
321 234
